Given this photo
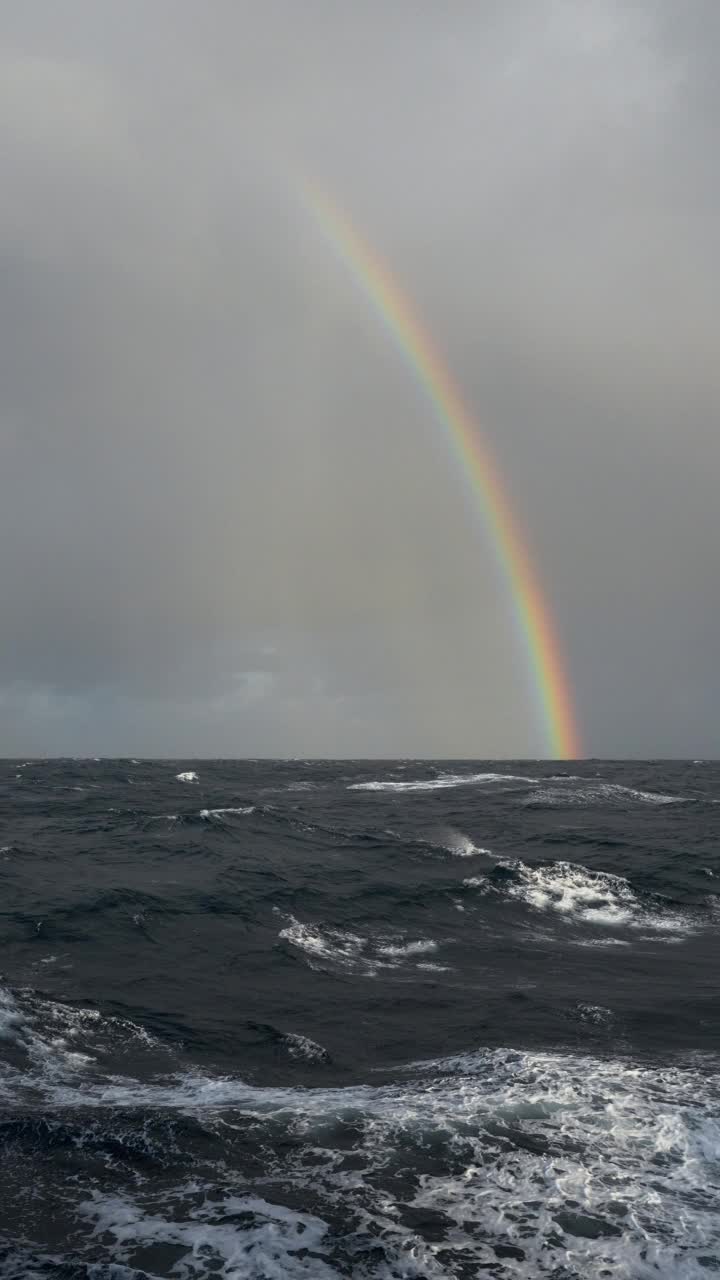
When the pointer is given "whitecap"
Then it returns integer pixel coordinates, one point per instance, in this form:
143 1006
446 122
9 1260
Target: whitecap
602 942
60 1040
595 897
408 948
607 793
188 776
326 946
303 1047
461 846
218 813
439 783
582 896
597 1015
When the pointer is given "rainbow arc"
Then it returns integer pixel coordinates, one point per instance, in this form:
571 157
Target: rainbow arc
530 608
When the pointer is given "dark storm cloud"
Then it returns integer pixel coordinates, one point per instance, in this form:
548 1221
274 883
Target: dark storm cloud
228 520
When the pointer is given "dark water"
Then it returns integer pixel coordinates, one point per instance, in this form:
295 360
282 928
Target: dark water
350 1019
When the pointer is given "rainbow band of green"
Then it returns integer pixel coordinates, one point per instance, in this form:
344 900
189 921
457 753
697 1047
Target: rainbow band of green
532 614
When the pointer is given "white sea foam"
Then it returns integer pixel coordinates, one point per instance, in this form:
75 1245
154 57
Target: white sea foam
218 813
602 942
348 950
605 793
596 897
408 948
187 776
328 947
57 1039
276 1244
438 784
552 1165
461 846
596 1014
303 1047
582 896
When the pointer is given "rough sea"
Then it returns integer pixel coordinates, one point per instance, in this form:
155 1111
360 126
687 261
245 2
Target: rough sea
390 1019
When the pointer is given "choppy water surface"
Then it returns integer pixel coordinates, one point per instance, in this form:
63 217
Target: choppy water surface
388 1019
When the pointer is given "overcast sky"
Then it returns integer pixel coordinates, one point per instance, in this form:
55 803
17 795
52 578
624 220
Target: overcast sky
229 522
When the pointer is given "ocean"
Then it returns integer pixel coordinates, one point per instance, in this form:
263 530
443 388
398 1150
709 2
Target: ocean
265 1020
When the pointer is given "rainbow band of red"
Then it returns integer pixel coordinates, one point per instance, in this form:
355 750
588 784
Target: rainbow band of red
531 612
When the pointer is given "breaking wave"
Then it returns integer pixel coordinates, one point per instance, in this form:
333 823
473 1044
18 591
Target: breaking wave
605 793
518 1164
327 947
242 809
440 783
581 896
461 846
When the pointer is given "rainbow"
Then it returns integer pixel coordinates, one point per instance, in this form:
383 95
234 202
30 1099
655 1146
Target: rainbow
531 612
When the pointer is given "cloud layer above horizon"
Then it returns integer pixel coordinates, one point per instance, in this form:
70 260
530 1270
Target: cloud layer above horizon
229 523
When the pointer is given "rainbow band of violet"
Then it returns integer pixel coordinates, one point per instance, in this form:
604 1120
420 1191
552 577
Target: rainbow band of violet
532 615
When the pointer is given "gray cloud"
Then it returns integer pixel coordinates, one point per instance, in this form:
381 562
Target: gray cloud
228 519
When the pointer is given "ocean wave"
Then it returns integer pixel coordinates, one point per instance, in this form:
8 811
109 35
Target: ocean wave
242 809
438 784
242 1236
324 946
53 1041
606 793
407 948
461 846
596 1015
519 1163
581 896
303 1047
188 776
602 942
